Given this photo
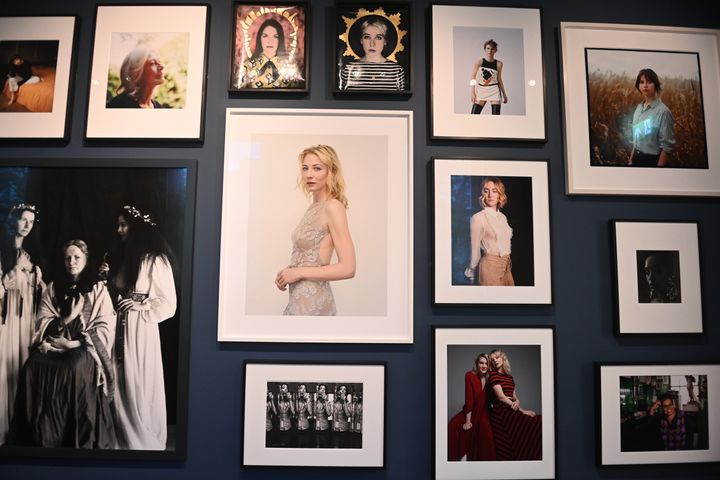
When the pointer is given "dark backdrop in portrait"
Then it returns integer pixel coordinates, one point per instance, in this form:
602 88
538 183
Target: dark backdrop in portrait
666 269
465 192
524 362
83 203
613 98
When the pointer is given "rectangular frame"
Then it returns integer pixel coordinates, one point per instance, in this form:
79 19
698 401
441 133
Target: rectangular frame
261 179
609 416
678 307
179 30
165 189
294 70
456 347
519 35
373 378
582 177
53 124
352 74
534 238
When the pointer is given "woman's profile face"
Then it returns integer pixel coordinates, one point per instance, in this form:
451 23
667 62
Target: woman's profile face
270 41
490 195
482 365
75 261
315 173
25 223
373 42
152 71
123 228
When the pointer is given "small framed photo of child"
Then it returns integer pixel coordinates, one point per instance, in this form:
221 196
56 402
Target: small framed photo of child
487 73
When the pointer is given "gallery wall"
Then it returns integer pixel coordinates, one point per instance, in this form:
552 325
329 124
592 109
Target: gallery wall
582 303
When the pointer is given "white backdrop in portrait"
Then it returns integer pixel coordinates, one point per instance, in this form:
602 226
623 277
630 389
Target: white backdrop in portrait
469 49
277 204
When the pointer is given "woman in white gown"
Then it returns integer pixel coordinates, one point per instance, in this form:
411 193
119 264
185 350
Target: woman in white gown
322 230
140 278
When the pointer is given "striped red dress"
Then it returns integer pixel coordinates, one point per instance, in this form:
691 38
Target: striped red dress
517 436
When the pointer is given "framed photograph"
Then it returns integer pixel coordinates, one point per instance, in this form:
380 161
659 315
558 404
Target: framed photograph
487 73
658 413
148 72
641 103
36 65
492 232
270 48
316 224
315 415
372 48
96 307
657 277
494 403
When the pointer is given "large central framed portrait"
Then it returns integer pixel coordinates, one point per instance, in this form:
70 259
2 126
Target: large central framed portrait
295 267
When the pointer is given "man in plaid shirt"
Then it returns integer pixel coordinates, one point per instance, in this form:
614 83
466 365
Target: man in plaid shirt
672 424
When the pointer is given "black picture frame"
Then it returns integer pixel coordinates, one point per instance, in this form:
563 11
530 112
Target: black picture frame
354 76
80 198
293 76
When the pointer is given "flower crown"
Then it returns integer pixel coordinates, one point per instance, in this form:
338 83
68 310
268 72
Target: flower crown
135 213
21 207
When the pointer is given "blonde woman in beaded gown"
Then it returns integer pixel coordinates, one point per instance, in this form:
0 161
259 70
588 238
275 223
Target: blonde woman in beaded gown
321 231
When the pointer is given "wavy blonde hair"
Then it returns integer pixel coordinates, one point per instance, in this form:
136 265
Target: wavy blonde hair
502 196
506 361
335 182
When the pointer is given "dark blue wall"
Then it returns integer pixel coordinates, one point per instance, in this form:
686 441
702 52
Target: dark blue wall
582 309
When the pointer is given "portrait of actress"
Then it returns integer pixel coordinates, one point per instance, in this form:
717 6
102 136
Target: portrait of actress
470 436
653 136
373 71
321 231
486 82
490 238
140 74
270 66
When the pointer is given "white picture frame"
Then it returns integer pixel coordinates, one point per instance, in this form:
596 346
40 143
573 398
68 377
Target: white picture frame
458 37
676 308
528 214
46 115
262 204
640 41
371 452
455 349
616 447
178 34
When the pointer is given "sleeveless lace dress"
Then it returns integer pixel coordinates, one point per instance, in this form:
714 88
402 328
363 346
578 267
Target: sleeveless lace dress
309 297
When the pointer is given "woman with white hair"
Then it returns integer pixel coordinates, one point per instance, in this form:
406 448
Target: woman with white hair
140 75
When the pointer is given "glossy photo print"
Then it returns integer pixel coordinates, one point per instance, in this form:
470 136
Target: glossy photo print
645 109
270 48
373 48
654 413
96 263
494 403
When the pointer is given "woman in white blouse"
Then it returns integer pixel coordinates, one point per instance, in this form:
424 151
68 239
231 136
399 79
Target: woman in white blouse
490 239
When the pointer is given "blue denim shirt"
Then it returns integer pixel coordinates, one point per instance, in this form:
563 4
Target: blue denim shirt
652 128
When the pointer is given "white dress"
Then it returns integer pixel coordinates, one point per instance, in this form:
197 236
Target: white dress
140 400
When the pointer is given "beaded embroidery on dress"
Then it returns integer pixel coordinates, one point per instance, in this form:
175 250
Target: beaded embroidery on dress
310 297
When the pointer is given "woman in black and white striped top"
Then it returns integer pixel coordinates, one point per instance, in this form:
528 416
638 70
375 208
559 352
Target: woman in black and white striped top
373 71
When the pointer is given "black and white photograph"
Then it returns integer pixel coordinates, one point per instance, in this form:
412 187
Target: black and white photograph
658 413
36 61
641 103
487 73
147 79
657 277
494 403
373 48
314 414
491 232
334 264
95 307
